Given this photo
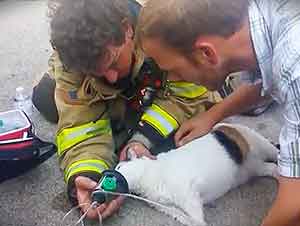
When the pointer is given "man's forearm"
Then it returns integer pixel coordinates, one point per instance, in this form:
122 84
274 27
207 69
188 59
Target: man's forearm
285 209
241 100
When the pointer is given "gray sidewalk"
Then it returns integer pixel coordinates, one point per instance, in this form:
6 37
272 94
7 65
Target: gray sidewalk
37 198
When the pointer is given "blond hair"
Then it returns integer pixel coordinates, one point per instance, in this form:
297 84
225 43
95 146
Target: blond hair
178 23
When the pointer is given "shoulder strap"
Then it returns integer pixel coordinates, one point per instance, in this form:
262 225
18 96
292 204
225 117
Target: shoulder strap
12 168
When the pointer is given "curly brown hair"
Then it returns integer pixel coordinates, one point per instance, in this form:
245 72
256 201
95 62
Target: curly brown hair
81 30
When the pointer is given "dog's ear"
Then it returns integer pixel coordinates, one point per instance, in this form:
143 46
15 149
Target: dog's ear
235 135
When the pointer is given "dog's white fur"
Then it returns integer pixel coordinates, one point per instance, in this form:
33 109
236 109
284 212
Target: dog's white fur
198 173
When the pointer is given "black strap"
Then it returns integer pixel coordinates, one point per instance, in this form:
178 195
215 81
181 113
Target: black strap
13 168
46 150
166 145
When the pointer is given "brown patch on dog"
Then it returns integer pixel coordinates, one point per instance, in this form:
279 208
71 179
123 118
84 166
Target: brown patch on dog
237 137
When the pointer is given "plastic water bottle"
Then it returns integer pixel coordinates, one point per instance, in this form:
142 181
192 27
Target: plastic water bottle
22 101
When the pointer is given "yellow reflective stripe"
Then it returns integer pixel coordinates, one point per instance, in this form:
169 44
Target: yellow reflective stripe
90 165
161 120
72 136
186 89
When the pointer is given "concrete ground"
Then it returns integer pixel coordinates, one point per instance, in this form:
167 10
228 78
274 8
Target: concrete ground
37 198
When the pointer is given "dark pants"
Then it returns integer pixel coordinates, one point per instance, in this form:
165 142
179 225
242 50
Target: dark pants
43 98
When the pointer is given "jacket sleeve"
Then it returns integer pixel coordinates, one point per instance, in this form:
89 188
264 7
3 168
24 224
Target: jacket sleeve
177 103
84 136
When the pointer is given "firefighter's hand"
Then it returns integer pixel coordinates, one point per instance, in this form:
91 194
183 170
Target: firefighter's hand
197 126
135 150
84 187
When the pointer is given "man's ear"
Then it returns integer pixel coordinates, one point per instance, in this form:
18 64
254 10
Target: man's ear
206 51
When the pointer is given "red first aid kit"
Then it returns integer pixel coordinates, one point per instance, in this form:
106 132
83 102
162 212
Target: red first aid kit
14 125
16 133
20 148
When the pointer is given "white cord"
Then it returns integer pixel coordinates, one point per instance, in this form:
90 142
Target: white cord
84 215
136 197
99 217
94 204
74 208
145 200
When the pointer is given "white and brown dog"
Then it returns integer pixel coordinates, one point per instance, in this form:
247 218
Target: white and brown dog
201 171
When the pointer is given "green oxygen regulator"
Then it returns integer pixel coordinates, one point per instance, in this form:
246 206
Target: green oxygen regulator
112 181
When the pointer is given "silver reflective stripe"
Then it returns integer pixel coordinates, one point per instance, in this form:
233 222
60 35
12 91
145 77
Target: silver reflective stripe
168 126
